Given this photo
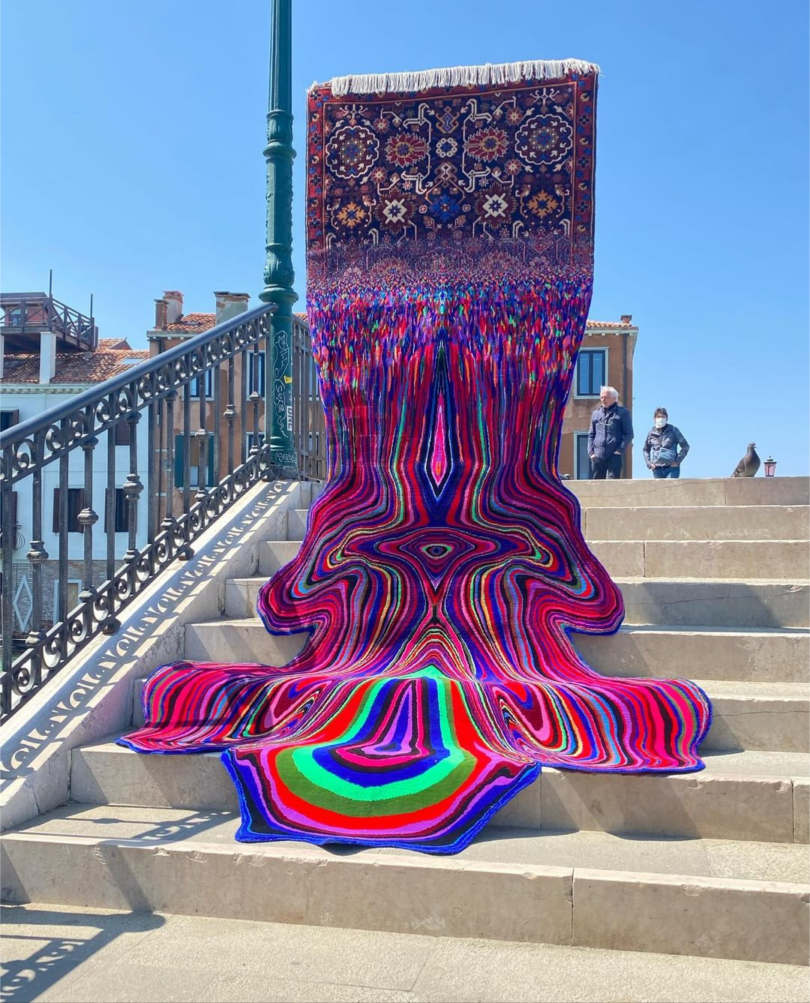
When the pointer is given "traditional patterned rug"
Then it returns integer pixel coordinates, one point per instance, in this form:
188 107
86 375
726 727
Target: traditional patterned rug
450 229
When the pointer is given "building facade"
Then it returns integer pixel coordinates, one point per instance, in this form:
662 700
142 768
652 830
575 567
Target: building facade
173 327
605 359
39 370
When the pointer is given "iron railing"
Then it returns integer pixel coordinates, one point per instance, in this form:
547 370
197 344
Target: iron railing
309 430
202 447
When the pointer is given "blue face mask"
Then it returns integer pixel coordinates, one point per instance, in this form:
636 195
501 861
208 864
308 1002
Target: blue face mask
660 422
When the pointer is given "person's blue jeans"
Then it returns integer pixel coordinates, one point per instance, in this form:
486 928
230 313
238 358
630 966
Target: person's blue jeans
659 472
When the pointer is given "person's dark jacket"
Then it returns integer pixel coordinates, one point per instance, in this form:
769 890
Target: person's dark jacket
611 430
668 437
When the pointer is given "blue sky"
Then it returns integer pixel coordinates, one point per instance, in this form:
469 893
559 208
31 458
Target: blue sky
132 136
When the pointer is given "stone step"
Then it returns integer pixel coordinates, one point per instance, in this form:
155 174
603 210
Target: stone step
753 655
747 559
687 491
296 523
699 897
746 716
701 559
239 641
274 554
715 653
741 796
178 956
720 602
698 522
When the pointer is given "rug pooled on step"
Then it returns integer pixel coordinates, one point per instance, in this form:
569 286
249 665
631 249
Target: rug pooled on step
443 571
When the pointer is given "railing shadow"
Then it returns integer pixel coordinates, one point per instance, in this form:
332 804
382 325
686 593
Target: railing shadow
120 659
53 957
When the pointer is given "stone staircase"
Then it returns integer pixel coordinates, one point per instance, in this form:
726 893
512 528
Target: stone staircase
717 588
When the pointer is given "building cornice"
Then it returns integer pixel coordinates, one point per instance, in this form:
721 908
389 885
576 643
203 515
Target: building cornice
45 388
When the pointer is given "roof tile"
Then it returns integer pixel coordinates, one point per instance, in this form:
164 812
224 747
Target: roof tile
72 367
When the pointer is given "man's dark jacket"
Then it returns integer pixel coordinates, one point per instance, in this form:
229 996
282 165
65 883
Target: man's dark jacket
611 430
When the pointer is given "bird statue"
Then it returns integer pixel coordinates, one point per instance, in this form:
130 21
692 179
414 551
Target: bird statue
749 464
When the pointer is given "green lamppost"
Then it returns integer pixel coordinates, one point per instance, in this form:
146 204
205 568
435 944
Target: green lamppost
278 270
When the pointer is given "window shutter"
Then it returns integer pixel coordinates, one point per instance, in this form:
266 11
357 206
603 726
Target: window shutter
122 433
179 442
9 418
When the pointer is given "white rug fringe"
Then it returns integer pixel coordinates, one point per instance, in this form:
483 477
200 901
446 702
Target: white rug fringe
459 76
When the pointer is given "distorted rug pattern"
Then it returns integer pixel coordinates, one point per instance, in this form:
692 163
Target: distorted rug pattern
450 229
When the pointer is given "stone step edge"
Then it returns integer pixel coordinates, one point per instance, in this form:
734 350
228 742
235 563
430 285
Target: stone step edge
539 903
109 745
716 689
700 508
647 628
800 583
302 514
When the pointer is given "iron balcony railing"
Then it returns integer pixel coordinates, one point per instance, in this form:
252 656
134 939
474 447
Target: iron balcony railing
23 315
200 447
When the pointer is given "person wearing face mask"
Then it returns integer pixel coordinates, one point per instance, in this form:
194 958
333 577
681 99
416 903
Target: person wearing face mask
665 447
610 434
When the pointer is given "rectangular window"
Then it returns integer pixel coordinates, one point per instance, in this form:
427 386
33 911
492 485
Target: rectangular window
591 372
74 506
120 511
74 587
582 462
252 371
9 418
8 523
252 438
194 385
194 461
122 433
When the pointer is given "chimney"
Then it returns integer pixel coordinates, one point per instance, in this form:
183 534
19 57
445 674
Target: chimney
627 318
230 304
174 301
161 315
47 357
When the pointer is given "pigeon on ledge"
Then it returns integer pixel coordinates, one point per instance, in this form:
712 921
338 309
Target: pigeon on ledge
749 464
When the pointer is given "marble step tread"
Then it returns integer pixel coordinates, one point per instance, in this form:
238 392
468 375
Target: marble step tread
718 764
757 796
311 964
766 654
747 715
697 522
700 897
708 601
717 858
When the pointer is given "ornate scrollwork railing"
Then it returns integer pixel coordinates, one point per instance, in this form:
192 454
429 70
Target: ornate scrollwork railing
190 422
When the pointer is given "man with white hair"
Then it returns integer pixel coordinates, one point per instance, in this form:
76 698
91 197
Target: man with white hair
610 435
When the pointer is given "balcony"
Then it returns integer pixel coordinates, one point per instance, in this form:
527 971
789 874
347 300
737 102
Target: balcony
24 317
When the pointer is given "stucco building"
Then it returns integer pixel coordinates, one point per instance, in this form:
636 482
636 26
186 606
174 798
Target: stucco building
49 353
605 359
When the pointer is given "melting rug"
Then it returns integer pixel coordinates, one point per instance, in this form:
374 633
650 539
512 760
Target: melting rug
450 250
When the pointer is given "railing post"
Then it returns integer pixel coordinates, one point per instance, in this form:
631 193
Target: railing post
278 272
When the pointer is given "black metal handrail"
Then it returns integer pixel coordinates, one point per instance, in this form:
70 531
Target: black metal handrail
204 447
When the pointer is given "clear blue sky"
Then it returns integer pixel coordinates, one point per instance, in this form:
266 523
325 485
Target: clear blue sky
132 135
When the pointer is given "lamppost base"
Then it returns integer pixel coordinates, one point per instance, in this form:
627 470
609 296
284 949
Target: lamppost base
281 472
